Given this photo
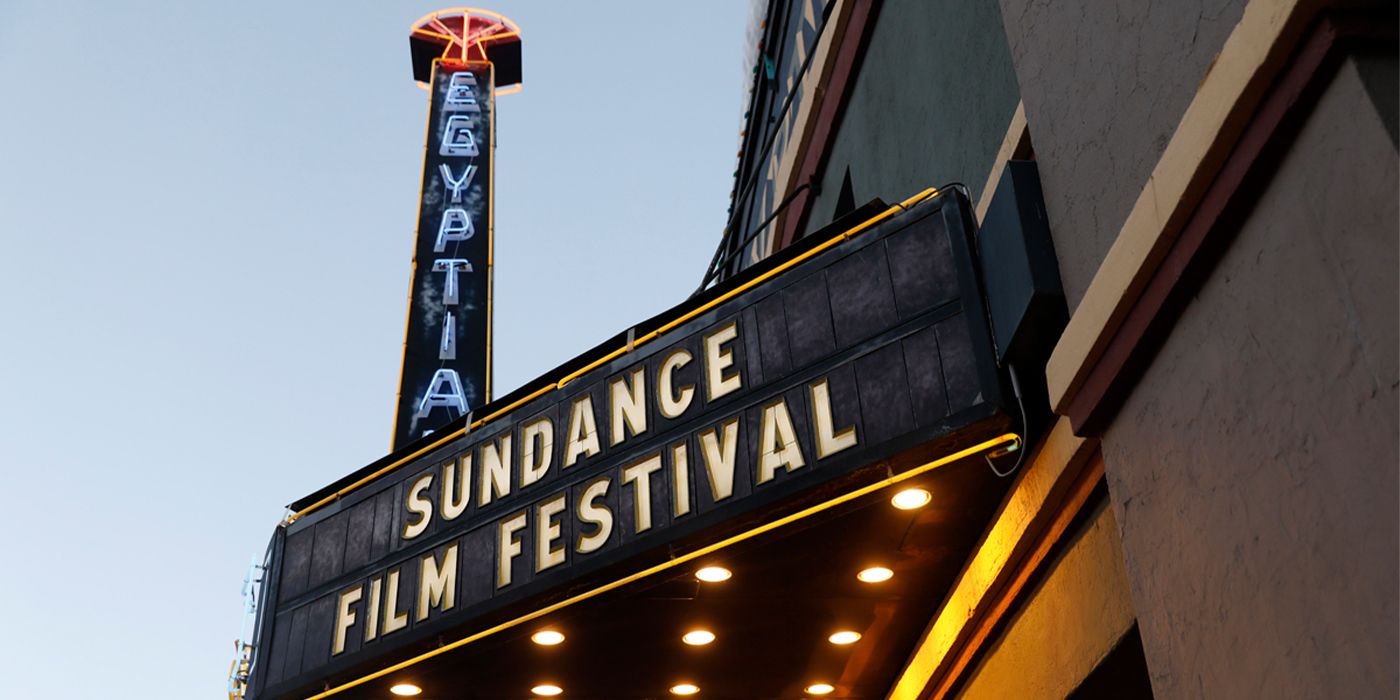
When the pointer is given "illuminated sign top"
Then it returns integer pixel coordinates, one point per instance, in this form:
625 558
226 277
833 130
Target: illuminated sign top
447 350
866 356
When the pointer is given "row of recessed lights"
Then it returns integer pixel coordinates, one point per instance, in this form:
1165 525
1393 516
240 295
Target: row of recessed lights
695 637
681 689
908 499
547 690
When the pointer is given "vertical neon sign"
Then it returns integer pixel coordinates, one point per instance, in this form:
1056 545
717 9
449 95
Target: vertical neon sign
447 351
464 57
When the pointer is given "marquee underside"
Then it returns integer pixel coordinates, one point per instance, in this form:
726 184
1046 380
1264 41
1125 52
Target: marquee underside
790 590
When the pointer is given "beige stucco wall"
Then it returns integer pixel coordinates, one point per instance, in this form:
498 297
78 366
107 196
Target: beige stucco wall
1254 466
1104 86
1067 624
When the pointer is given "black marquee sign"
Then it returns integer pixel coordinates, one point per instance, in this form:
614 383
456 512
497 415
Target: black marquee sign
447 345
824 368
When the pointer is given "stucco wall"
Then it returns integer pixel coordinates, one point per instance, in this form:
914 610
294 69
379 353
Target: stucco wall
1069 622
1254 466
1104 85
930 104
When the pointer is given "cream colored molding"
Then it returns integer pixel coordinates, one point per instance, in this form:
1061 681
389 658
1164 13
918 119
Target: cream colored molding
1039 485
1227 96
1070 621
1012 145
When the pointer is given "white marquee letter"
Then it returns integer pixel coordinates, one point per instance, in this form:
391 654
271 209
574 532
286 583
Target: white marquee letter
445 390
508 548
536 450
583 431
455 185
419 505
680 479
718 455
372 623
457 138
345 617
393 619
639 476
673 402
460 95
717 359
456 486
437 585
829 440
456 225
629 405
451 295
447 349
777 442
495 469
547 531
596 514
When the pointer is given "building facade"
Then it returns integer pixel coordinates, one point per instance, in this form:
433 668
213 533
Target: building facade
1220 185
1050 351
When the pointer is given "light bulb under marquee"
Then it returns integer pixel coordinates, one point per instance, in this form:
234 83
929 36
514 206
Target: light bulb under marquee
844 637
697 638
875 574
547 690
909 499
819 689
713 574
685 689
547 638
405 689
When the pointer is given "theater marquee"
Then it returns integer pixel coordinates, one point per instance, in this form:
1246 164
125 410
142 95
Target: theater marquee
838 363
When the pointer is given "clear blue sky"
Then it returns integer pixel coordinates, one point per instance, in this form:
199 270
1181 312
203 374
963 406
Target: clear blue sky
207 211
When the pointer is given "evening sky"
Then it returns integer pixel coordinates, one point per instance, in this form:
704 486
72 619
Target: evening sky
207 211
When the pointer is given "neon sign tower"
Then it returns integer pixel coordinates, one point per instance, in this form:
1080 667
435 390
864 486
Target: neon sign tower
464 57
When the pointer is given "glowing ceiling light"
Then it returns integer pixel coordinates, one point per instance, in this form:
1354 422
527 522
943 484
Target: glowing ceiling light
844 637
875 574
713 574
819 688
697 638
547 638
405 689
547 690
685 689
909 499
